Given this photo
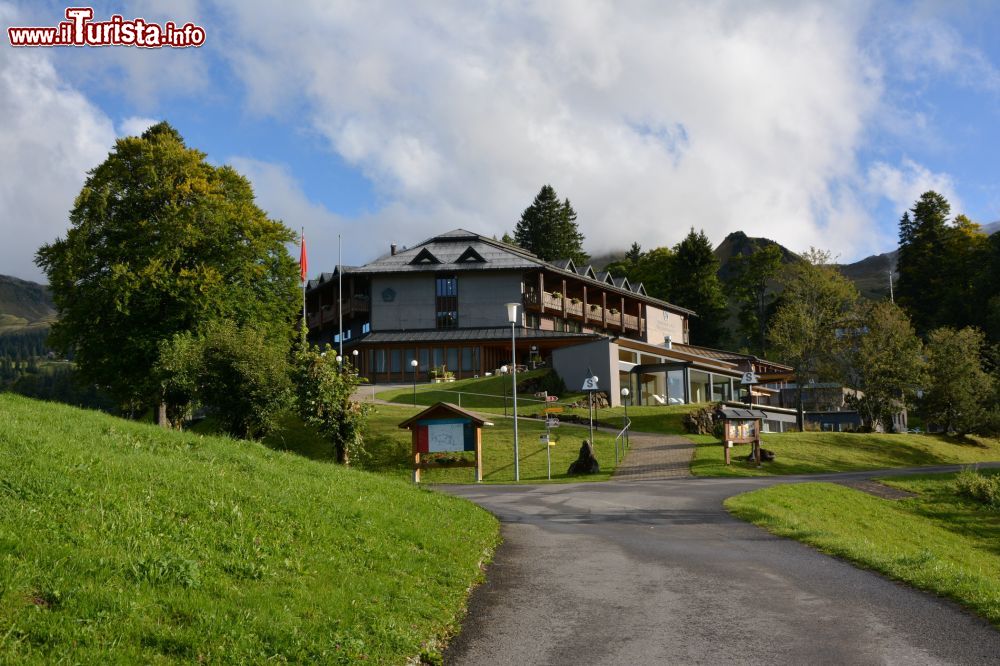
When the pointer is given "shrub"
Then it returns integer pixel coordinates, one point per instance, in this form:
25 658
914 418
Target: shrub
985 489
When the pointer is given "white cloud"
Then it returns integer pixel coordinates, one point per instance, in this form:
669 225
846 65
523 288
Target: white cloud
135 125
902 185
924 46
50 136
650 117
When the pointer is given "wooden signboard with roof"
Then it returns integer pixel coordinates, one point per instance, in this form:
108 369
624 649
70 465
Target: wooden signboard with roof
445 428
742 426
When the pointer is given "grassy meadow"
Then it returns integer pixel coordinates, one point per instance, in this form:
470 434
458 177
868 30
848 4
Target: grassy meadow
823 452
124 543
936 541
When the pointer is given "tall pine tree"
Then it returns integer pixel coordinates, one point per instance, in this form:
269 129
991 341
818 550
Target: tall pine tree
695 285
548 228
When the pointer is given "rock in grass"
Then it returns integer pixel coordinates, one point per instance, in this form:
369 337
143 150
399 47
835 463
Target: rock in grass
586 462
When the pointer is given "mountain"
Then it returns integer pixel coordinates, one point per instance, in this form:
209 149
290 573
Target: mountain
24 305
738 243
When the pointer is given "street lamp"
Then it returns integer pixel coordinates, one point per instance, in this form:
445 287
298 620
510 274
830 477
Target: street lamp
512 318
625 393
355 355
413 364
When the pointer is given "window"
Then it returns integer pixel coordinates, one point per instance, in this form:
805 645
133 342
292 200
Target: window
467 353
366 328
438 358
446 302
627 356
395 360
453 358
424 360
532 320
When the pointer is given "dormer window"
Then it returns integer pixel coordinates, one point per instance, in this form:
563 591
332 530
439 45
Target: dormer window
470 256
424 257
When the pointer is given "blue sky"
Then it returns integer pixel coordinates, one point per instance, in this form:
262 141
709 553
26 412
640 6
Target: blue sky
815 124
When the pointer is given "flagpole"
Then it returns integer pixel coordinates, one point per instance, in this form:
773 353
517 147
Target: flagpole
302 275
340 293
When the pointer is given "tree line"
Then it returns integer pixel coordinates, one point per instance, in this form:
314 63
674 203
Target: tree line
936 346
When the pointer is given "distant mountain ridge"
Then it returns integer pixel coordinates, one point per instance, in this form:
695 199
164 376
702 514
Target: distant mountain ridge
24 305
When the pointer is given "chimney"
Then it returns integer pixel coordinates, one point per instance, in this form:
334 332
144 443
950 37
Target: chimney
668 343
392 250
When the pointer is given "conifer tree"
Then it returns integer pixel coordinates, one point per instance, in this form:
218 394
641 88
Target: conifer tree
548 228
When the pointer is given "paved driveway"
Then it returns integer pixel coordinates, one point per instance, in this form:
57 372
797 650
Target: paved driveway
656 572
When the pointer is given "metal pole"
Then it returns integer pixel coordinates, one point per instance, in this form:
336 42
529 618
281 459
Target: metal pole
548 447
513 365
414 387
304 282
625 422
891 296
340 296
590 395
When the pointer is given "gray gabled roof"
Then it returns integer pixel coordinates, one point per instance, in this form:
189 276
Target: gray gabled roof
489 255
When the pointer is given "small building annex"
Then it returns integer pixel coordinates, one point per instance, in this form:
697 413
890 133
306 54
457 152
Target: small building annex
442 303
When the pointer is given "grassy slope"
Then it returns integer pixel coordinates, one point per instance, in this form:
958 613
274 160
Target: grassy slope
123 543
819 452
934 541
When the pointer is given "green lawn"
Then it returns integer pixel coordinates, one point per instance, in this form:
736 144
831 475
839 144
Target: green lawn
389 451
124 543
820 452
491 398
935 541
484 392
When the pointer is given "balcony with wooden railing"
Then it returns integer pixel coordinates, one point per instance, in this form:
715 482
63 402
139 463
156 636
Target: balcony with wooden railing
591 314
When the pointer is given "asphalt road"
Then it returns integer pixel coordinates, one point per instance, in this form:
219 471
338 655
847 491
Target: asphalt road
657 572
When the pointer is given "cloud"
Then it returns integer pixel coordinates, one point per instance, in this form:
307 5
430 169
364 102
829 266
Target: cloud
923 47
650 117
902 185
135 125
50 136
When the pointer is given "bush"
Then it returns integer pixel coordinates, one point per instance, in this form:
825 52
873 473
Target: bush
985 489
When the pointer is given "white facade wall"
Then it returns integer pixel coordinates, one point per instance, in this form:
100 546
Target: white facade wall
481 300
601 356
661 323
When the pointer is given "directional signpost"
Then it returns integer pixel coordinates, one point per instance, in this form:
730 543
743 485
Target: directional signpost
749 379
590 386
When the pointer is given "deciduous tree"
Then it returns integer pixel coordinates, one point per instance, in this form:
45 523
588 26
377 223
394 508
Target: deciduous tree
818 304
959 390
162 242
886 363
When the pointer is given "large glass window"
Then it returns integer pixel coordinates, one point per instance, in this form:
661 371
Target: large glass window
700 386
722 389
675 386
395 360
446 302
409 355
627 356
438 357
453 358
424 360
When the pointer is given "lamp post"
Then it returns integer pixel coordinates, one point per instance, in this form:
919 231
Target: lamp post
413 364
512 318
625 393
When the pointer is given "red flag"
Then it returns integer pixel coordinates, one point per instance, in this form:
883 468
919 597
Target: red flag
303 263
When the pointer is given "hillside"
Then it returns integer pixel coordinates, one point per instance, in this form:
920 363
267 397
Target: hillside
24 305
124 543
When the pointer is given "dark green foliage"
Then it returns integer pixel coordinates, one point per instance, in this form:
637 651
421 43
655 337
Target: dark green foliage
886 363
695 285
238 373
942 264
959 392
752 288
162 242
548 228
324 389
973 485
